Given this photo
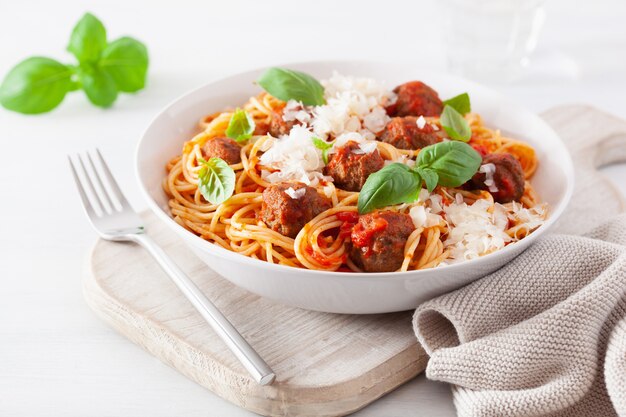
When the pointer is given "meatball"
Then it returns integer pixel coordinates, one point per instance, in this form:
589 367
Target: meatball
415 99
378 240
279 126
224 148
350 166
508 177
286 209
404 133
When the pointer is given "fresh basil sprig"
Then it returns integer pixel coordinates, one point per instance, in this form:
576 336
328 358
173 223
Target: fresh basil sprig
449 164
88 39
241 126
38 85
285 84
216 180
453 162
324 146
126 61
460 103
455 124
394 184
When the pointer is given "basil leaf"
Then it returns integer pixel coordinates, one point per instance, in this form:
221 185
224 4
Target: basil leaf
324 147
455 125
460 103
35 85
126 60
321 144
454 162
216 180
288 85
88 39
241 126
325 156
98 86
394 184
430 177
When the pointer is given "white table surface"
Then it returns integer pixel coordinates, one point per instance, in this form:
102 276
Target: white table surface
56 357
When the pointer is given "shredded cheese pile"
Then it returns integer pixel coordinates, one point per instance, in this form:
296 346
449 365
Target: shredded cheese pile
353 112
293 157
474 229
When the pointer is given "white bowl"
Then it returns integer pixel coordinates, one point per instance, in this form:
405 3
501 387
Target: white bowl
338 292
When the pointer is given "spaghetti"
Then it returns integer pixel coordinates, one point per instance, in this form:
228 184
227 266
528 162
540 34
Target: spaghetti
321 244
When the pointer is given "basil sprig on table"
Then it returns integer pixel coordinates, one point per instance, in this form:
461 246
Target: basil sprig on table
285 84
38 84
216 180
449 164
241 126
324 146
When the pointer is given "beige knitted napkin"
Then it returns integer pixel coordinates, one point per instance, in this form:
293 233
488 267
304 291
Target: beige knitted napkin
544 335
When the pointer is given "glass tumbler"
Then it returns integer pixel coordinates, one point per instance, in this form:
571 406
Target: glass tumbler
491 40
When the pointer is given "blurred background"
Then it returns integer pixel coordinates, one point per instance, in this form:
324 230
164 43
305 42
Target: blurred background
54 352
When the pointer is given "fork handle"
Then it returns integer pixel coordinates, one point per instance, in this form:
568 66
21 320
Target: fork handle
248 357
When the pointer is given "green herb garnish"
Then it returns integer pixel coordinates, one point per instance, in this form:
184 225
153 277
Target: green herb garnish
394 184
324 146
216 180
449 164
241 126
288 85
39 84
455 124
460 103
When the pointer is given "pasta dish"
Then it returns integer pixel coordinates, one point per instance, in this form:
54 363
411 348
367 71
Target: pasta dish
344 174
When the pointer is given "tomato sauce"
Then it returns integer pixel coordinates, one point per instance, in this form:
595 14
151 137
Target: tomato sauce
481 149
362 236
323 260
349 219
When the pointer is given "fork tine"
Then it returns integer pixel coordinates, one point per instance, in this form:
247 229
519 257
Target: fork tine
89 185
81 191
111 181
106 195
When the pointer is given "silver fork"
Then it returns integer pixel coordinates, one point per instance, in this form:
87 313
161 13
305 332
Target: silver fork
121 223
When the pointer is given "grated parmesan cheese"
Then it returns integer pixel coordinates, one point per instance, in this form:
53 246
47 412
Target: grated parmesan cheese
423 217
489 170
366 147
295 194
353 104
293 157
473 230
328 190
531 218
376 120
436 203
295 111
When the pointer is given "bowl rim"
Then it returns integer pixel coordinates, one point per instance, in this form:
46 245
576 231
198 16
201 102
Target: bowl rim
191 238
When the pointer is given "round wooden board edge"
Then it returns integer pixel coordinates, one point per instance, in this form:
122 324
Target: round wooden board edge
274 400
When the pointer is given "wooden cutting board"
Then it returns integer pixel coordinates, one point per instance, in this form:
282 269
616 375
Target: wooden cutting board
326 364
